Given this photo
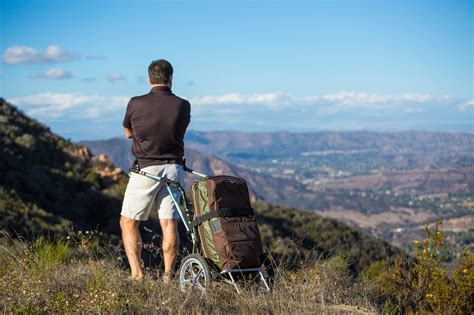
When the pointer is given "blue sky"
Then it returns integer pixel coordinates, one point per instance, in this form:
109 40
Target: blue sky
244 65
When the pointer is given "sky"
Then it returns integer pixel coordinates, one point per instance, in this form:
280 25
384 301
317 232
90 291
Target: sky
244 65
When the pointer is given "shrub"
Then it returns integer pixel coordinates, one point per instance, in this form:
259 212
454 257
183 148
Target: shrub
44 255
426 285
92 178
27 141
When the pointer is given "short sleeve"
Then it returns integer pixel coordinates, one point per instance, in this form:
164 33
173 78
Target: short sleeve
126 120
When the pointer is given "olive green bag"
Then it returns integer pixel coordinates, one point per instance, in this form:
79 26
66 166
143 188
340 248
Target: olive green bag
226 223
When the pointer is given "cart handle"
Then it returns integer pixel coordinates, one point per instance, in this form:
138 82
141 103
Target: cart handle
136 169
187 169
152 176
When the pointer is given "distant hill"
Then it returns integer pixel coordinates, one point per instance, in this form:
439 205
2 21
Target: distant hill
412 163
49 184
263 187
235 144
318 158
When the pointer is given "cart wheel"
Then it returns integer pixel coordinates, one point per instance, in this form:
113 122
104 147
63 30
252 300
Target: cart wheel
194 273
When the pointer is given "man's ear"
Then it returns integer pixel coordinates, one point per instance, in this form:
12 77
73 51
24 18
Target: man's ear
171 81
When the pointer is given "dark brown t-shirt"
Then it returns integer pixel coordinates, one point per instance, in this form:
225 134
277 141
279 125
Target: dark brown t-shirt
158 121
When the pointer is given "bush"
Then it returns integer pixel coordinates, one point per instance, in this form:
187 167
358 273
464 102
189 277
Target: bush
43 255
426 285
92 178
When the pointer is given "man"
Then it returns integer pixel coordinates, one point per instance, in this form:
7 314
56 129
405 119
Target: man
156 122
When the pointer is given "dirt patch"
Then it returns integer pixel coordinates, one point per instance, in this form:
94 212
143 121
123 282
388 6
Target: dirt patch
458 224
397 216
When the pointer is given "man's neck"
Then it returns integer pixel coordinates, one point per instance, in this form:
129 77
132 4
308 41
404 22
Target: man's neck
156 85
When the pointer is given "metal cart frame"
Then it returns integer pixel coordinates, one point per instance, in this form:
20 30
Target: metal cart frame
195 270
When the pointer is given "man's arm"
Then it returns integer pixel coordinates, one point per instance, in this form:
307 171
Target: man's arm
127 124
128 132
187 114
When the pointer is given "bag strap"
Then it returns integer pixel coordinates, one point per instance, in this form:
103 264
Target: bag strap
223 212
199 220
235 212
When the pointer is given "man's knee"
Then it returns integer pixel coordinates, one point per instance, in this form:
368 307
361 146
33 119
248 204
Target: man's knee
128 224
169 226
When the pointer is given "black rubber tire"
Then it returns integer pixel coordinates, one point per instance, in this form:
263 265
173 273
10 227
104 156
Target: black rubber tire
194 273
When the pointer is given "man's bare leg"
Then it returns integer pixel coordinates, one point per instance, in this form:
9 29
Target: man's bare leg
169 227
132 242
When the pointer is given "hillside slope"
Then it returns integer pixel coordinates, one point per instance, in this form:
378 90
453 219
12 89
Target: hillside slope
48 184
304 236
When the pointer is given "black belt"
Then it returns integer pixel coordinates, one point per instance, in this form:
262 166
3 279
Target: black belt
223 212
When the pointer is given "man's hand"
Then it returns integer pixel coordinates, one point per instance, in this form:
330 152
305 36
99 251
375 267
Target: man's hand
128 133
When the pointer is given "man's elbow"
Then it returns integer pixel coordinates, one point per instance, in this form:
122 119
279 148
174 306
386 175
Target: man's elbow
128 133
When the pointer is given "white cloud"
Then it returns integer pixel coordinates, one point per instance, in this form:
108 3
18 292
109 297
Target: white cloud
333 102
341 110
469 104
414 110
54 53
237 98
70 105
53 73
23 54
266 111
20 54
113 77
355 98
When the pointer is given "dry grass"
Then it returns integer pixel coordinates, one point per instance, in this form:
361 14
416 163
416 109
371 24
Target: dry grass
70 275
75 274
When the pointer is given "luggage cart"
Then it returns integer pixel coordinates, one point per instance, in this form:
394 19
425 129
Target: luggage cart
197 272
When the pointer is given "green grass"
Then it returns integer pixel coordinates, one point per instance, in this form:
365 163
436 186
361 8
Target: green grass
44 255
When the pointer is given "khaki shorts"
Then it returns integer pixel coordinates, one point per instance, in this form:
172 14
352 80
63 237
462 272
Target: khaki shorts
144 194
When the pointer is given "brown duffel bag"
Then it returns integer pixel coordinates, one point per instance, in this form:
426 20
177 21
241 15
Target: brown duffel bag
226 224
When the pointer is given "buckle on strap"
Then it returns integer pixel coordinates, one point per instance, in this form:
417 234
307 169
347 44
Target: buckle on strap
135 165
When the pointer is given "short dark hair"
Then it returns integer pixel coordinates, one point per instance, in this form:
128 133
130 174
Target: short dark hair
160 72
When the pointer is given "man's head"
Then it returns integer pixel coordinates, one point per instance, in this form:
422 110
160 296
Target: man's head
160 72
